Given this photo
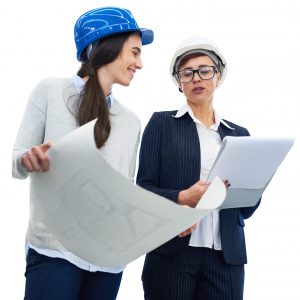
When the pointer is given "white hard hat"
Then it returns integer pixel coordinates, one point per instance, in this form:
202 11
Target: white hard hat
197 44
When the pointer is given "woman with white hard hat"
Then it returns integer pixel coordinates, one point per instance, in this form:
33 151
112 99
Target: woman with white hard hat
177 152
109 43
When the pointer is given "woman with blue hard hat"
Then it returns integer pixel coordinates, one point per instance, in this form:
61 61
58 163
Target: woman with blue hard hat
109 43
177 152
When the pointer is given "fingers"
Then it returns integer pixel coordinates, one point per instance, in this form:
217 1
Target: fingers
185 233
30 162
41 158
193 194
45 147
199 189
227 184
201 186
36 159
188 231
201 182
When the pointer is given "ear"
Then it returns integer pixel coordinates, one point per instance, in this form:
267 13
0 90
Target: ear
179 87
218 80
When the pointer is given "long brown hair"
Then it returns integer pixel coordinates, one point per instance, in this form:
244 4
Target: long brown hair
92 103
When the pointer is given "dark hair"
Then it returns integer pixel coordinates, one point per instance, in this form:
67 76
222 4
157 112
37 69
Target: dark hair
189 56
92 102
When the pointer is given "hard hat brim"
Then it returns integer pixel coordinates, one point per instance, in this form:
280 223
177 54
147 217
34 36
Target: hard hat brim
147 36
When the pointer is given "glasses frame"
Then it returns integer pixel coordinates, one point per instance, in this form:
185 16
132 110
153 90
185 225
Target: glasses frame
196 71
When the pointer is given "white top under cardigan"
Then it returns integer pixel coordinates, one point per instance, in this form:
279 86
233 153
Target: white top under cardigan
207 233
48 117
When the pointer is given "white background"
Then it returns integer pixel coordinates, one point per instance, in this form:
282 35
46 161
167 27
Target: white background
259 39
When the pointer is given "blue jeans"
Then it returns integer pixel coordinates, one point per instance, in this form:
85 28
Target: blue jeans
50 278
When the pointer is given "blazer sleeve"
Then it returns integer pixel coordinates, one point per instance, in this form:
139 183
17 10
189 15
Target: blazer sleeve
247 212
148 175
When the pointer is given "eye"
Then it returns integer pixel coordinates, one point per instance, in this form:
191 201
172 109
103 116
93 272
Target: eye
206 70
135 53
186 72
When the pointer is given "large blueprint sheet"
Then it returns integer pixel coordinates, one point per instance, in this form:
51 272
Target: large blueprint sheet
98 214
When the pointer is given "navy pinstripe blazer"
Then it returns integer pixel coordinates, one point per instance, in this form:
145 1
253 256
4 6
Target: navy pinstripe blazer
169 162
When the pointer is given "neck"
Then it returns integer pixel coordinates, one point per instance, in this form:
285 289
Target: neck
105 86
105 81
203 113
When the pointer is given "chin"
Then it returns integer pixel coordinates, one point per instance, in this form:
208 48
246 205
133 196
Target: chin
125 83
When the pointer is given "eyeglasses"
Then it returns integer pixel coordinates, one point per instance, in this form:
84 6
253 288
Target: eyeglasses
204 72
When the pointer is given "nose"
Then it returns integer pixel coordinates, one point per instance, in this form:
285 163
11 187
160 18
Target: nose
197 76
139 63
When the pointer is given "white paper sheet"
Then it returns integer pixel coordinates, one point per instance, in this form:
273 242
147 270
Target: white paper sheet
249 162
98 214
214 195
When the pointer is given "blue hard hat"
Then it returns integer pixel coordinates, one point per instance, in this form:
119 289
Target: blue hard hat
102 22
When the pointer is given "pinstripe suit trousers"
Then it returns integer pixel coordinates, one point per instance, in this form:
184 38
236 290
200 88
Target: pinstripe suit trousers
196 274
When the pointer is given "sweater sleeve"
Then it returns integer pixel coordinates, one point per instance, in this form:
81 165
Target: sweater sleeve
32 128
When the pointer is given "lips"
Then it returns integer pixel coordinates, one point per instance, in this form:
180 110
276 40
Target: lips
198 89
131 72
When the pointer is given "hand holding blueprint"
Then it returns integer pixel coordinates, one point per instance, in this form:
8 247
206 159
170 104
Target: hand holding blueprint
98 214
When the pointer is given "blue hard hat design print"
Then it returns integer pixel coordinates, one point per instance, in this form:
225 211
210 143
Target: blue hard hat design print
102 22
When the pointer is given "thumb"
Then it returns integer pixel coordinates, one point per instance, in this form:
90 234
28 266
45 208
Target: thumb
201 182
194 226
45 147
